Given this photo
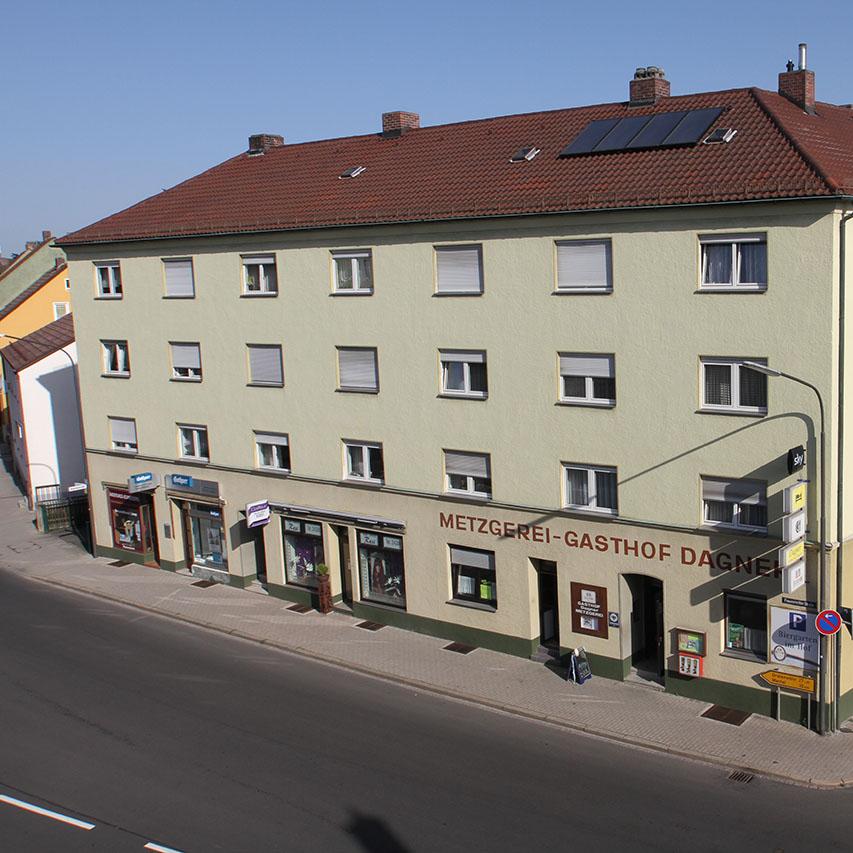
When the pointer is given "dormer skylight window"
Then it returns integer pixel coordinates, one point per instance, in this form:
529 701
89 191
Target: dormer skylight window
526 153
720 134
354 172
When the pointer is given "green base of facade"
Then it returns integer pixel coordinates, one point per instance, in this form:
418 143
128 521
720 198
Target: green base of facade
446 630
126 556
241 581
291 593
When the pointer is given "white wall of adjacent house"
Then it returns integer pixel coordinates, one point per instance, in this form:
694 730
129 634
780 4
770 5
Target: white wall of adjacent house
48 401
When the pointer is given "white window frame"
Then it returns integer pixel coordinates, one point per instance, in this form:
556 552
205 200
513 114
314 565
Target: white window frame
470 489
735 365
195 431
352 255
115 285
124 446
194 374
589 398
281 440
447 356
260 261
66 306
106 356
736 523
735 241
607 287
591 471
365 447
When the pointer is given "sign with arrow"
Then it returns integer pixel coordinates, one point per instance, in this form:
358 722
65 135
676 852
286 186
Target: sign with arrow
787 681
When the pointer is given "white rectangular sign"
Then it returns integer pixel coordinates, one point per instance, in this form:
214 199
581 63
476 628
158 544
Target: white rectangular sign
793 577
794 640
794 526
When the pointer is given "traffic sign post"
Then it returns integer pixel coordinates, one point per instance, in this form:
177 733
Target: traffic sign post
828 622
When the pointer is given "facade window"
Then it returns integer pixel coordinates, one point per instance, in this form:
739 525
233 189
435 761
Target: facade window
734 262
734 503
358 369
186 362
68 284
746 626
380 563
265 365
123 434
207 530
116 358
353 271
473 575
60 309
273 451
590 488
364 462
180 283
463 373
468 473
584 266
303 550
729 386
459 269
108 276
20 429
259 276
193 442
587 379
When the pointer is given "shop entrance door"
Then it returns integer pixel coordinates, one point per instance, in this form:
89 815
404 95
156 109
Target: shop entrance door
346 567
549 623
647 638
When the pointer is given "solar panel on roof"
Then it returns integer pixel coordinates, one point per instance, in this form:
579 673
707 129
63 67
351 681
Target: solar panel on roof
623 133
692 128
654 133
589 137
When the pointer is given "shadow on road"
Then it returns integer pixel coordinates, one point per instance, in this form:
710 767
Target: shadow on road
373 835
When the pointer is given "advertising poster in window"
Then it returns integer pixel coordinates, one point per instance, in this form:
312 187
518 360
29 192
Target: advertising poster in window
380 561
589 610
794 640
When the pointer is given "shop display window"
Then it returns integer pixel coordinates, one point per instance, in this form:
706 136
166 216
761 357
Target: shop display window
746 626
208 537
473 574
380 560
303 550
130 518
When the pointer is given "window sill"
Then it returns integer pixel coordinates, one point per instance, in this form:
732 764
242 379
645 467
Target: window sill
265 385
281 472
580 291
195 379
739 413
263 294
588 404
458 293
473 496
472 605
115 376
107 298
449 395
357 391
125 451
363 481
178 296
732 528
738 289
591 510
198 460
351 293
752 657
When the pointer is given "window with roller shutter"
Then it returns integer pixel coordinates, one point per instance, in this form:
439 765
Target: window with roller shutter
459 270
468 473
265 365
584 266
180 283
358 369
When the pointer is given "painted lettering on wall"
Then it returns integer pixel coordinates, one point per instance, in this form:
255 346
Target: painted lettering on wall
722 561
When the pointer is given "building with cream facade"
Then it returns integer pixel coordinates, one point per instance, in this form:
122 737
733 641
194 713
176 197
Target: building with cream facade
491 374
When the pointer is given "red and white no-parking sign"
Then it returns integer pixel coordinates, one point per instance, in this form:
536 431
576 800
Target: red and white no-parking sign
828 622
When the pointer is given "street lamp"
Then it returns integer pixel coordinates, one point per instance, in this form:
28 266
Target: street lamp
769 371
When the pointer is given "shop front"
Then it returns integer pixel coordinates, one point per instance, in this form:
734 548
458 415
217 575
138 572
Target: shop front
132 524
202 523
381 568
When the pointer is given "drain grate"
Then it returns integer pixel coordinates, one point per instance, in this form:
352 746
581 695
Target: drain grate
460 648
370 626
741 776
727 715
119 563
204 584
299 608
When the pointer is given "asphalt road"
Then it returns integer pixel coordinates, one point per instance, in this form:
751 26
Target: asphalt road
161 733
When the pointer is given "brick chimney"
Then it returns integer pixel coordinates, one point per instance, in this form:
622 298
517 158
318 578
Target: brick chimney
397 123
45 236
798 86
648 86
259 143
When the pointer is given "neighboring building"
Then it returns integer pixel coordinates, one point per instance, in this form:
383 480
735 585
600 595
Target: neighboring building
491 373
46 444
46 299
37 258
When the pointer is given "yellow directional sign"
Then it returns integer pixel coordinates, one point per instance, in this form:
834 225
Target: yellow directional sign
803 683
789 554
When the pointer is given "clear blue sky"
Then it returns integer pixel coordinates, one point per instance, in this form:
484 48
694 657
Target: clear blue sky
105 103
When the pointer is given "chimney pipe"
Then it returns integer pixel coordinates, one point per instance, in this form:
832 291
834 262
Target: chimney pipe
802 56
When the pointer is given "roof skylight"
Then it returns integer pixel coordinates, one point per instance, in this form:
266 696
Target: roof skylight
526 153
353 172
720 134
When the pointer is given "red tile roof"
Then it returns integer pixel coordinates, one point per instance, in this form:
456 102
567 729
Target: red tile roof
463 171
39 344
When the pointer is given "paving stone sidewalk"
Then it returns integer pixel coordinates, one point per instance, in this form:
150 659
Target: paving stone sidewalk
625 712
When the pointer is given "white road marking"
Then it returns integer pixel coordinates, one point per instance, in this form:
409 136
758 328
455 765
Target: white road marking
152 846
81 824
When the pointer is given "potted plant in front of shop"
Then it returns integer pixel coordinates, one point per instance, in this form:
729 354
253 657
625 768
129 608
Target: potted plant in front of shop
324 588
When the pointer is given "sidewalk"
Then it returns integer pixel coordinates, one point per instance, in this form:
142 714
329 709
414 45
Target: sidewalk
623 712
